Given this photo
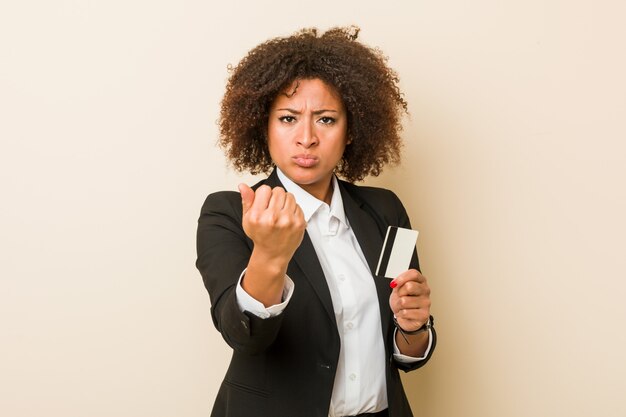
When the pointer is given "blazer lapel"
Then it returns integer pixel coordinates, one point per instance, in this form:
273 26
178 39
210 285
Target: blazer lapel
306 260
369 232
365 228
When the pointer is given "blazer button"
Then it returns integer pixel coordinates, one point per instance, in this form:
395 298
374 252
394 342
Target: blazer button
244 324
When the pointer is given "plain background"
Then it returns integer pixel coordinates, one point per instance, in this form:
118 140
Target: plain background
514 173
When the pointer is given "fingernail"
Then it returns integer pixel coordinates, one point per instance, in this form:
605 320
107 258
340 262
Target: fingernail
393 284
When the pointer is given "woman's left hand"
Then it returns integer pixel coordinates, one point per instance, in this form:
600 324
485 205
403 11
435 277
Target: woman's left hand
410 300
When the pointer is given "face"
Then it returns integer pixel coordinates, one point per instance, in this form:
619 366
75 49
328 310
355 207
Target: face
307 134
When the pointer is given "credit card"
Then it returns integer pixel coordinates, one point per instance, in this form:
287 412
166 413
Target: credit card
395 256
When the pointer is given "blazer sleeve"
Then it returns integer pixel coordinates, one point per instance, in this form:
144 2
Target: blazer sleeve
391 212
406 367
223 253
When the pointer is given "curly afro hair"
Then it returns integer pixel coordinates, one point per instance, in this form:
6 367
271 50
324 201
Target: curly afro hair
368 87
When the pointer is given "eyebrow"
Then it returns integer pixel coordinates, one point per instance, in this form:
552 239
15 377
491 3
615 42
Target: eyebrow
315 112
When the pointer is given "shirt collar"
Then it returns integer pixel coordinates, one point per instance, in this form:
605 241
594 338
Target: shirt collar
310 204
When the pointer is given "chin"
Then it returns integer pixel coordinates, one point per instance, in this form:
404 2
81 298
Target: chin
304 180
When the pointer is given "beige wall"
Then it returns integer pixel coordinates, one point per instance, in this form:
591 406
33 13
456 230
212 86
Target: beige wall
514 174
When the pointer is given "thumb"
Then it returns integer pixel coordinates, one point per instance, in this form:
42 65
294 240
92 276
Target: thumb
247 196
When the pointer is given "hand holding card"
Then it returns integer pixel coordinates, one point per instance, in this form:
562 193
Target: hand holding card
410 298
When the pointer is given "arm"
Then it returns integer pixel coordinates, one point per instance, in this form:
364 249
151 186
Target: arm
410 303
224 251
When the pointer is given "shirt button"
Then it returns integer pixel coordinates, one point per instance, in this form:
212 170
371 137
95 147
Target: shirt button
341 277
352 377
349 325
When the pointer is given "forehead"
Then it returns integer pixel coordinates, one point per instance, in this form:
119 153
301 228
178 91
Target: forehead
309 92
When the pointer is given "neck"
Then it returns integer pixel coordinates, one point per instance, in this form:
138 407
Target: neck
323 192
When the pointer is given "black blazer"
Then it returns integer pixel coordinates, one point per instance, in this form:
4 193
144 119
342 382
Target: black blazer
284 366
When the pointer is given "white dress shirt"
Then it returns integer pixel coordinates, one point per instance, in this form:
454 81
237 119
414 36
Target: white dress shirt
360 385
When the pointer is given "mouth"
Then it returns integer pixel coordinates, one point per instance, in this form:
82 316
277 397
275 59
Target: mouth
305 160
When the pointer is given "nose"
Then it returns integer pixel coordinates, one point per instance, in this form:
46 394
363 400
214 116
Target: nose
307 136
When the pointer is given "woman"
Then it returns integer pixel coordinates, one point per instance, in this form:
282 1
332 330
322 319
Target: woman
289 263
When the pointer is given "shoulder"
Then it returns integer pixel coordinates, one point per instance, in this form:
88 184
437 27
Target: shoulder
222 202
382 204
226 202
370 195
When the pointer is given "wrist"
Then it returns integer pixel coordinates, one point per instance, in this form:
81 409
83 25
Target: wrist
270 256
264 279
425 327
271 264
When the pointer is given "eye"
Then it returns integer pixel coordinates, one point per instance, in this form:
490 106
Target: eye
287 119
327 120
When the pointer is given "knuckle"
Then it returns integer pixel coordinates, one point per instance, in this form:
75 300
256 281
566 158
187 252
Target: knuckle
268 219
284 222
